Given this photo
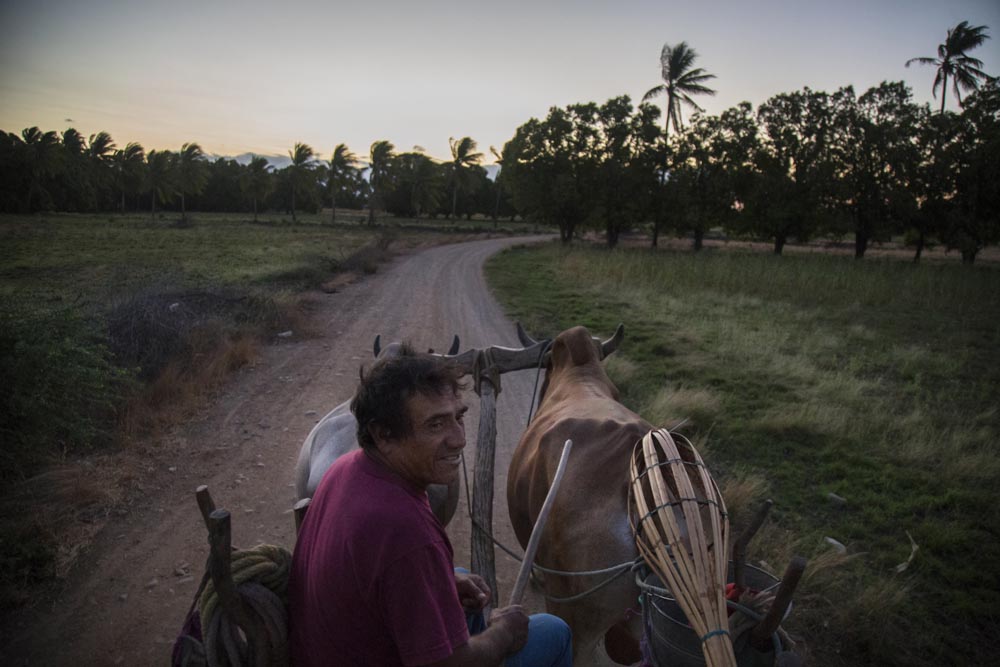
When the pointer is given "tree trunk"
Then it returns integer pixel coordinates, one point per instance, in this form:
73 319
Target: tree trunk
293 204
944 91
656 235
454 200
969 255
183 212
255 209
860 244
153 213
699 237
333 209
612 236
123 202
920 248
779 243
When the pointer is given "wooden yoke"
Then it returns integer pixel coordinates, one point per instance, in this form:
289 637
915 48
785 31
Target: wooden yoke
486 366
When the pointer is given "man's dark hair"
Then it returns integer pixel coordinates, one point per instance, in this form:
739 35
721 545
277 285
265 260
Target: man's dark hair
384 389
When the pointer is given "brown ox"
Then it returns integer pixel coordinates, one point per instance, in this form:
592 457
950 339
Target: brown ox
588 528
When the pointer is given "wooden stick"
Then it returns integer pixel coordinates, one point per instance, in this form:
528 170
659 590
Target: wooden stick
482 555
536 533
740 546
760 636
205 504
220 541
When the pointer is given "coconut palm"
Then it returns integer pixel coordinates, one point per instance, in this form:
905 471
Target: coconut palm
498 159
680 82
462 157
952 61
159 177
341 163
43 153
128 164
191 174
255 180
379 156
302 159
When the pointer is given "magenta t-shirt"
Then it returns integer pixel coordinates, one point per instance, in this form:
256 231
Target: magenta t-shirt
372 580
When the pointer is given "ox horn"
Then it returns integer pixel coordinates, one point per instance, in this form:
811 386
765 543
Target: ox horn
611 344
523 337
378 345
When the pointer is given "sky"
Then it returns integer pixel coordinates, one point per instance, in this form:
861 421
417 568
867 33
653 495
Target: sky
252 76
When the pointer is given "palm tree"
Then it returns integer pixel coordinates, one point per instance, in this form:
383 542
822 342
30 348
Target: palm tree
462 157
340 164
159 177
128 164
191 175
302 159
680 82
44 161
100 152
952 61
255 180
380 155
498 158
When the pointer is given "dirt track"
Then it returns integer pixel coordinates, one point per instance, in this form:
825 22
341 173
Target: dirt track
125 602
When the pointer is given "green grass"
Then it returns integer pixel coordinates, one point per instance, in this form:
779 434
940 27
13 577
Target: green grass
874 380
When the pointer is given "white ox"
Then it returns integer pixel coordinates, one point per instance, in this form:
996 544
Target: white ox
336 434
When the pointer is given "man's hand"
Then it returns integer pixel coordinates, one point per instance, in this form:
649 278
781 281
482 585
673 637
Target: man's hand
473 592
514 622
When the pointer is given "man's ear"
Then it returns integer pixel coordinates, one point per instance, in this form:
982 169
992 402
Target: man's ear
379 433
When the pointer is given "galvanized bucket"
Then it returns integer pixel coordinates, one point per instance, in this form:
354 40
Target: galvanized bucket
672 641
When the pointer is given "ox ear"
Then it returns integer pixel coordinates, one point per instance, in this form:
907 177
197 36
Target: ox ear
378 345
523 337
611 344
454 347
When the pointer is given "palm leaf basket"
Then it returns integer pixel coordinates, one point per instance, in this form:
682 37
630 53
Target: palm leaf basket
682 531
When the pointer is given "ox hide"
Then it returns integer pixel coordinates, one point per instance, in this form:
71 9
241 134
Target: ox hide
336 434
589 527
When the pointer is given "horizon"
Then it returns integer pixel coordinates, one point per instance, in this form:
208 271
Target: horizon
251 78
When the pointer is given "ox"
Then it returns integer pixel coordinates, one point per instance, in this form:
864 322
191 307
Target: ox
337 434
589 527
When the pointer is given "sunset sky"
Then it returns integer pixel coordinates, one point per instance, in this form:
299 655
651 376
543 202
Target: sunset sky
260 76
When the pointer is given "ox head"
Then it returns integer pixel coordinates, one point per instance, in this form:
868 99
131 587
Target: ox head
576 352
392 349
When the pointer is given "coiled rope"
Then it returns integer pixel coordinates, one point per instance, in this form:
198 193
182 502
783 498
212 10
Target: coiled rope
261 578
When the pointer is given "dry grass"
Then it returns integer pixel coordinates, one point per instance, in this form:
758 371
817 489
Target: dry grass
674 405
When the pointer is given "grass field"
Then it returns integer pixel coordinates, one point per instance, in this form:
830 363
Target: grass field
801 377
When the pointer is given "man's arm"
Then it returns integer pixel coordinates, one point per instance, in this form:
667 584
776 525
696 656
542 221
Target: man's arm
506 634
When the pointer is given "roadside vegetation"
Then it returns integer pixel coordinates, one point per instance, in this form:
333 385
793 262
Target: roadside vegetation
112 327
805 376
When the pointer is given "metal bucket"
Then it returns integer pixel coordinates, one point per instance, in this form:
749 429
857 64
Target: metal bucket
672 640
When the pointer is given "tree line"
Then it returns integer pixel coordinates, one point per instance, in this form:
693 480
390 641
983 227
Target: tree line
801 165
49 171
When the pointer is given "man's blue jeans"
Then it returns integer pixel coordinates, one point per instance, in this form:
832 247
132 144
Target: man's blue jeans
550 641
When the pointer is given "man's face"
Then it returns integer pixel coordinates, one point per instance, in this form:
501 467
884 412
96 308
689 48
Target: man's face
431 453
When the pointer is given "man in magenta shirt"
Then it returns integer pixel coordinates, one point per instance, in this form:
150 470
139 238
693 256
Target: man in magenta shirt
373 579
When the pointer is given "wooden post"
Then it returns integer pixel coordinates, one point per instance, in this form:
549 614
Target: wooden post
220 541
483 562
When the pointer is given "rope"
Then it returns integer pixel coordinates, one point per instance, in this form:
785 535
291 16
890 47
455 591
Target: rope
538 374
615 570
261 578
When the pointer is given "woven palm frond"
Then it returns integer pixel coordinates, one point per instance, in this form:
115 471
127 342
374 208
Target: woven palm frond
682 531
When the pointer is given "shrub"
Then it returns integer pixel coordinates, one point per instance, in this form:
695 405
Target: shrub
59 387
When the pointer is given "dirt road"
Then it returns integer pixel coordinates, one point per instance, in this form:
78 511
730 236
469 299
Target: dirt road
125 603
